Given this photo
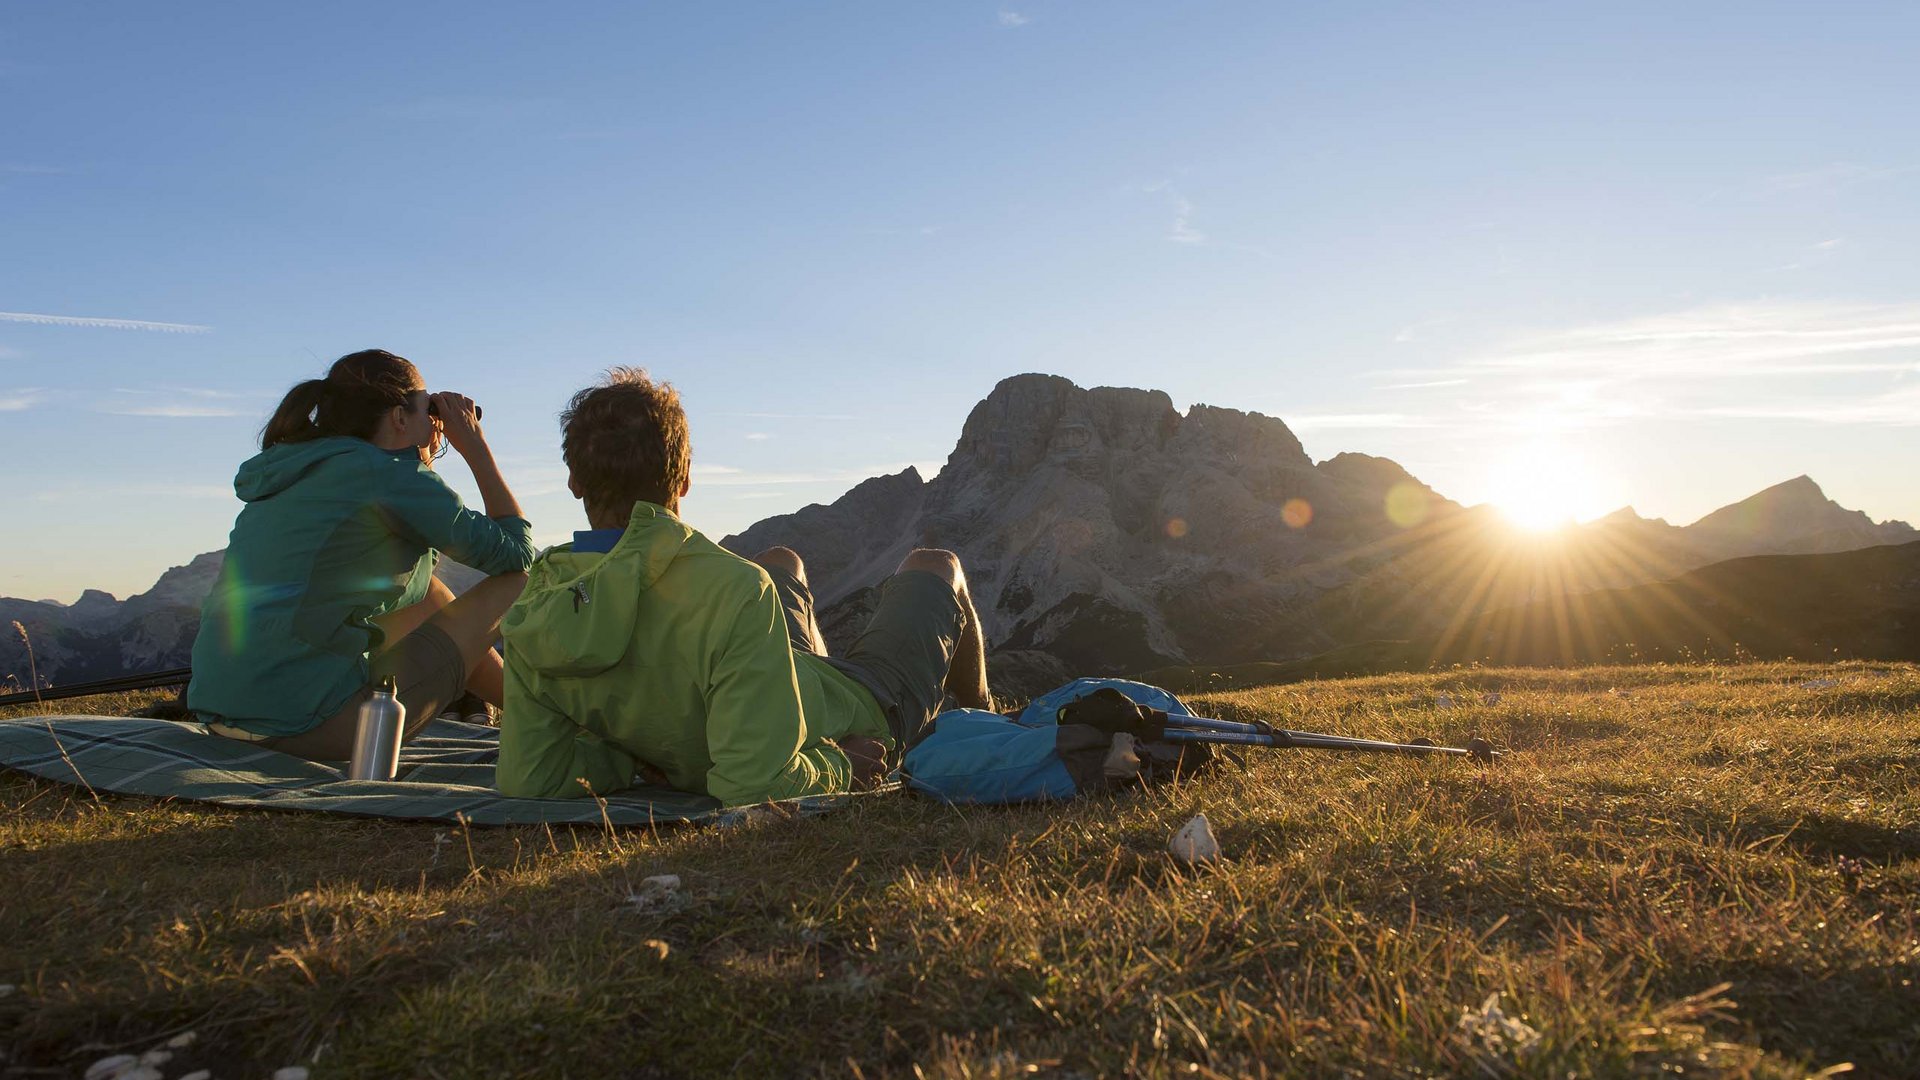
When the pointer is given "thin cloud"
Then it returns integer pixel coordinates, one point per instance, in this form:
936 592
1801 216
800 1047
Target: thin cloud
1430 384
1807 362
1011 20
179 402
1899 407
757 436
1829 177
103 324
22 399
1731 340
1357 422
33 170
173 410
195 392
1829 245
1183 231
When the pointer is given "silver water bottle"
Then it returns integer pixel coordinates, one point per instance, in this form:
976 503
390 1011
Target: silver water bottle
376 743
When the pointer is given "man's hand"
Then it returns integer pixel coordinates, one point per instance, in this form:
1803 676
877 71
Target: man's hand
459 423
868 758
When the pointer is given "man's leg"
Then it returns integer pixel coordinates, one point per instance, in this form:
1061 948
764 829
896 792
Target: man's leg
967 676
789 573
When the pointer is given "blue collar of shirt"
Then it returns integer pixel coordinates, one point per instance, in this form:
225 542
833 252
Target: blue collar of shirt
596 541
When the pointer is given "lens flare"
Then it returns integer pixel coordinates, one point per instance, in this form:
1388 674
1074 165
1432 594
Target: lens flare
1297 513
1408 504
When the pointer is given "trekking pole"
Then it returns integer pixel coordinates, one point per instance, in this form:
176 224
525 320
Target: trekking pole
1477 749
1109 710
148 681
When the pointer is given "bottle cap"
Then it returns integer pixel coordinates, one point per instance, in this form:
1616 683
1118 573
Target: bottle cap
390 687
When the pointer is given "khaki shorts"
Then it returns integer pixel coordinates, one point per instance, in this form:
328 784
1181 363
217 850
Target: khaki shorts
901 657
428 672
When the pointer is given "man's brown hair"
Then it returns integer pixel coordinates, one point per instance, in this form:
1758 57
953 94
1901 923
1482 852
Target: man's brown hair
626 441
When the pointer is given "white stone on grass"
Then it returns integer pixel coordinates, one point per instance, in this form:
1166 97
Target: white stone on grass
183 1040
156 1058
1194 843
1495 1033
198 1074
108 1067
290 1072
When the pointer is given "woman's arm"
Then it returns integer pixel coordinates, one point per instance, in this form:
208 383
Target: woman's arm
462 428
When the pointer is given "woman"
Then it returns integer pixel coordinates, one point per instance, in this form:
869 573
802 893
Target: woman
327 588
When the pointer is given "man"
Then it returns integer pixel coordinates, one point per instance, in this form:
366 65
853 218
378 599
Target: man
645 645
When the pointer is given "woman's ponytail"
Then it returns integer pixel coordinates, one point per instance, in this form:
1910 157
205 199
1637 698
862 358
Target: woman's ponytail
293 421
358 389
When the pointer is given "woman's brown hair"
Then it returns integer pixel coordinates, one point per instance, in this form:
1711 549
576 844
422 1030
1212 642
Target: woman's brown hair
349 401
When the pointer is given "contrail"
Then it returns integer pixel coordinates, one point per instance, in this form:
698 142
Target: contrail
105 324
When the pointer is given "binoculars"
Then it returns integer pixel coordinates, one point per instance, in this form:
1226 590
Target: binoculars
433 410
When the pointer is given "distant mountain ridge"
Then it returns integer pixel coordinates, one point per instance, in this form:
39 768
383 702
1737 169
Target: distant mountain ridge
1104 531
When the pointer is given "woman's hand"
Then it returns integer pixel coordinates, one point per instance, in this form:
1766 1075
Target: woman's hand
459 422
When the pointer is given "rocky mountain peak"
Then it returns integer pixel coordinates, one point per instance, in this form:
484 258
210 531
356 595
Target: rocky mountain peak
1795 515
183 586
1236 437
1031 419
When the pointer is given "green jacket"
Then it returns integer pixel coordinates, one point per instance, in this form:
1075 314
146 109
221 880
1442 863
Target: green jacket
673 651
335 531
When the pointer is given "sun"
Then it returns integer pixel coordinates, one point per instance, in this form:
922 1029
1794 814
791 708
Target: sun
1541 486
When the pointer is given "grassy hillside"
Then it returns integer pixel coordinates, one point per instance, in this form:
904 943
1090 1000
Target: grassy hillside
1707 869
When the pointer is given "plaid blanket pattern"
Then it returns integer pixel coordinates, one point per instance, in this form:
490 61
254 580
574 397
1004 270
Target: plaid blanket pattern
445 775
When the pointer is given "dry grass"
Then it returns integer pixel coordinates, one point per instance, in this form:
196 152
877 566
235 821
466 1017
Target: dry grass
1711 869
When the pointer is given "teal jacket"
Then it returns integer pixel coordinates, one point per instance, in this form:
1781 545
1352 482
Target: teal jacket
673 651
335 531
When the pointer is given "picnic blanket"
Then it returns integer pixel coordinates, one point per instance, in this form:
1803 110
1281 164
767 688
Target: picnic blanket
445 775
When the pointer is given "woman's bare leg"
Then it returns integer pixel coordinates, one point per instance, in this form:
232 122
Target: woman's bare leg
472 620
484 671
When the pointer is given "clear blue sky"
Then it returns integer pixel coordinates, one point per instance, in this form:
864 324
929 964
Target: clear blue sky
1666 247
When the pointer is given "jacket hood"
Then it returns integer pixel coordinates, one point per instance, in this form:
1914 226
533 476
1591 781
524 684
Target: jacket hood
275 469
566 623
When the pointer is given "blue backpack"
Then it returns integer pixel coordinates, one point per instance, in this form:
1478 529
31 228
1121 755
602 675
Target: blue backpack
1061 745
